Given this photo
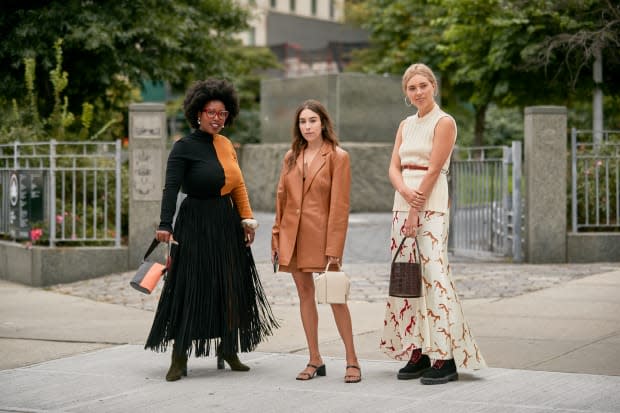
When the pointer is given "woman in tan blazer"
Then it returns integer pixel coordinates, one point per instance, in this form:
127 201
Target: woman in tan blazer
312 214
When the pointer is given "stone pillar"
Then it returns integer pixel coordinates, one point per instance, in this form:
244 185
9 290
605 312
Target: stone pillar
147 157
545 178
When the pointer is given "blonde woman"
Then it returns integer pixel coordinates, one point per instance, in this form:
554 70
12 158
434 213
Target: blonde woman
429 332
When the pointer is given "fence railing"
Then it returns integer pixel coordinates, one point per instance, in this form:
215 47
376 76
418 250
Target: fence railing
595 180
82 189
486 200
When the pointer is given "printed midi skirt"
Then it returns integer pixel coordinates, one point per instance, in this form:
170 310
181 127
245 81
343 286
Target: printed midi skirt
434 322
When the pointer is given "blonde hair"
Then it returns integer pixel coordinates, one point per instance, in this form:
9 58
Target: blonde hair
422 70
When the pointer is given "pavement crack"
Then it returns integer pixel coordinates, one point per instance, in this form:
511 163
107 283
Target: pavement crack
57 340
557 356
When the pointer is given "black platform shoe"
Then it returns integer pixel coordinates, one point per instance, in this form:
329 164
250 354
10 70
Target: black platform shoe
442 372
415 367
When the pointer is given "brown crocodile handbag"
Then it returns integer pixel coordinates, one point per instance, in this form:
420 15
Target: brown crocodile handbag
406 277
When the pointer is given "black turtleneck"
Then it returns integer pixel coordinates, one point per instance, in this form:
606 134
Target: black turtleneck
193 165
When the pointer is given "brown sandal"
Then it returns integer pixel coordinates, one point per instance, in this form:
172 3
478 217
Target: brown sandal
318 371
349 378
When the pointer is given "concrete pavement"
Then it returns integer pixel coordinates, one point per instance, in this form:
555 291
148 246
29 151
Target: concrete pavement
551 335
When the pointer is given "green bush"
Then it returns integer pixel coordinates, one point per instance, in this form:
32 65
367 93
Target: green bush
101 120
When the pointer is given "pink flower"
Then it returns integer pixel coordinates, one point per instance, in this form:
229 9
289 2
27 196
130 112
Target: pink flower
36 234
59 219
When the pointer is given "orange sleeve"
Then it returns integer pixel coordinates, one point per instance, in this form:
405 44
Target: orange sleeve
234 184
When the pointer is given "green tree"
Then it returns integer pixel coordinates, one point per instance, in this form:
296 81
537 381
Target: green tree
508 53
173 41
401 32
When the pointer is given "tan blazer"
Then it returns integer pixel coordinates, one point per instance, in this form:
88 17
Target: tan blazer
313 213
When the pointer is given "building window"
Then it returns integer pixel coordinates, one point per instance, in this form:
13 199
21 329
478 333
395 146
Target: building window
331 9
292 5
313 7
273 4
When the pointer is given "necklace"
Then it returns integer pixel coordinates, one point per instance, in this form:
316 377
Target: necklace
306 162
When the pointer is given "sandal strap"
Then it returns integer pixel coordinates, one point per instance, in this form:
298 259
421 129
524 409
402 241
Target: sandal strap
313 366
353 366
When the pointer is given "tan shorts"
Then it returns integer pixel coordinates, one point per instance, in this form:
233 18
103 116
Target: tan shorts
292 266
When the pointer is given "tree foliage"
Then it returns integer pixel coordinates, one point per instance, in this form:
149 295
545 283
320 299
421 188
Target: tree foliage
495 52
174 41
22 120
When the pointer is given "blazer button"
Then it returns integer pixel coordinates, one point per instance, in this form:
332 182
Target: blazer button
298 211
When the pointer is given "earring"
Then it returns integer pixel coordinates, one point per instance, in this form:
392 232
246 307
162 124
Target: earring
407 103
198 121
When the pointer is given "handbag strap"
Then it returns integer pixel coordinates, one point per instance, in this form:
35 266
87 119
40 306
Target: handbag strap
400 247
332 263
152 247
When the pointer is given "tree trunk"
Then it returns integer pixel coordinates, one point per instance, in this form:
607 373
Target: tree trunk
481 112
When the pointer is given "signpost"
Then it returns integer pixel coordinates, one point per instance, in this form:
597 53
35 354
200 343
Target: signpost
26 202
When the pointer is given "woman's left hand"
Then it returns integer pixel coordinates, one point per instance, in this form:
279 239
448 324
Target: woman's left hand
418 200
249 235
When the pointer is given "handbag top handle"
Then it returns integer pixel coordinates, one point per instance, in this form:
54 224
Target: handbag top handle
400 247
332 263
152 247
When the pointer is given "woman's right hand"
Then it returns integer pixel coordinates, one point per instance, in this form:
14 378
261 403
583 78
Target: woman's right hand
163 236
411 224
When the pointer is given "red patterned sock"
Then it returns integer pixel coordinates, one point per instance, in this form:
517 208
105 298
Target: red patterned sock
416 355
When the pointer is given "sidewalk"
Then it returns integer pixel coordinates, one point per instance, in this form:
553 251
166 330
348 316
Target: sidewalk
550 334
528 341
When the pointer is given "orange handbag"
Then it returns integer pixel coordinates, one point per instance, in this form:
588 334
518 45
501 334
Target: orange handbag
148 274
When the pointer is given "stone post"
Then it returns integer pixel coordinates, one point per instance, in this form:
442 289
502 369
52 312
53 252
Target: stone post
147 156
545 178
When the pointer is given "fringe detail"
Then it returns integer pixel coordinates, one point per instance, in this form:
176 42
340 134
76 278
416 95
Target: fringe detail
212 294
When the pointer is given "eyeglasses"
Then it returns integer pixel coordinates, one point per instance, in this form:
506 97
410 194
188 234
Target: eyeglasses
222 114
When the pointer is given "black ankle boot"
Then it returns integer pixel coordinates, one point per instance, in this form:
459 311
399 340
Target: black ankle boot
414 368
178 366
233 361
442 372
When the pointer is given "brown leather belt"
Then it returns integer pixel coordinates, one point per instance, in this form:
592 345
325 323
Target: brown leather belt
415 167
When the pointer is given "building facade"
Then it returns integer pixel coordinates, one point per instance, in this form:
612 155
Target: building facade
308 36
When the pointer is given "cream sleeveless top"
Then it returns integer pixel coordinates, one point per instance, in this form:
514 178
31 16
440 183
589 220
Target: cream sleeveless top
415 149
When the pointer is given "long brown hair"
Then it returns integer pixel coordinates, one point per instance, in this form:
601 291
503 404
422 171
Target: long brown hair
327 129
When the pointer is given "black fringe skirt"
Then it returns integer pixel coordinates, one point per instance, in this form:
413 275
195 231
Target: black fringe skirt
212 294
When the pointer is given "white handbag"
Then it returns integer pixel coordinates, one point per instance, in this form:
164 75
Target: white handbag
332 287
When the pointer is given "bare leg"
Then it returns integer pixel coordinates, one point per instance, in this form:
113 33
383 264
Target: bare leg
309 316
342 316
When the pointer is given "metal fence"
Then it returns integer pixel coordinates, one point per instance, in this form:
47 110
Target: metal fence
595 180
486 199
82 189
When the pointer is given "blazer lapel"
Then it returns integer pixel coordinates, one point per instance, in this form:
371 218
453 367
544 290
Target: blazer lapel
317 163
